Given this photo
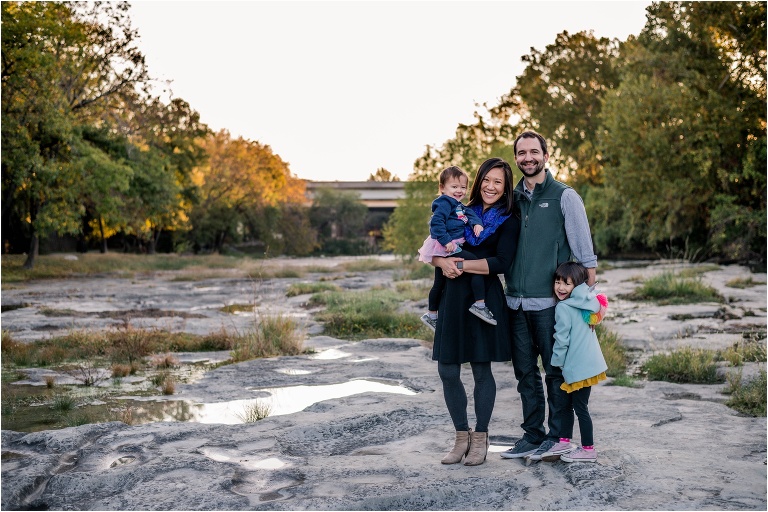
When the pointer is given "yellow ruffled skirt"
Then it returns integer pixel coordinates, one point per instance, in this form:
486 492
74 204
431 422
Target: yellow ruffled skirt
573 386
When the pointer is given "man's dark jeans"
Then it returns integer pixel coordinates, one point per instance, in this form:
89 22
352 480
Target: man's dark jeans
533 336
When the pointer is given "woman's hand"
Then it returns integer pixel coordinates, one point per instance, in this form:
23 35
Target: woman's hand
448 266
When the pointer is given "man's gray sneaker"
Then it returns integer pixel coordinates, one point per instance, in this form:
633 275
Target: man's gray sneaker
520 450
429 322
556 451
543 448
483 313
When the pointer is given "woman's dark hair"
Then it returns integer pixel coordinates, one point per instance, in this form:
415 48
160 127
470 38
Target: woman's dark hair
507 200
572 270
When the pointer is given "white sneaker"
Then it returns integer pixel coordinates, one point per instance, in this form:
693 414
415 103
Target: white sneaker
580 455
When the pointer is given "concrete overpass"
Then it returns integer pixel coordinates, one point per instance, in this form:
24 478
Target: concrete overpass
376 195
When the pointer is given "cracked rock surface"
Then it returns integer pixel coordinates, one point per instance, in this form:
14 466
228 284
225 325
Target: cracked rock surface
662 446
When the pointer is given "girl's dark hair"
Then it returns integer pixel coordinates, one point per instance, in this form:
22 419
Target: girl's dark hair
572 270
507 200
452 173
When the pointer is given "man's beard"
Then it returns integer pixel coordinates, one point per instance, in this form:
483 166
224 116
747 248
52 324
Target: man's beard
536 171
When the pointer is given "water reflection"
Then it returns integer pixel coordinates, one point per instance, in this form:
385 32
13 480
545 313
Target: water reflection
286 400
141 408
331 353
293 371
290 399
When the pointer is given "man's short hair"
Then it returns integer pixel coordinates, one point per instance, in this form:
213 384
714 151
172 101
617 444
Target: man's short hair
530 134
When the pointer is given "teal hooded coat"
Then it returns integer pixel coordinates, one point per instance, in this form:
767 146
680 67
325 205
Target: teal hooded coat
576 349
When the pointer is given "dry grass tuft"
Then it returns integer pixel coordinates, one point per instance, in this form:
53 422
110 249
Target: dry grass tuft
164 361
272 336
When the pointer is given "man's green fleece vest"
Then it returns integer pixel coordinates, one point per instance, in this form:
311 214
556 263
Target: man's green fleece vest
543 244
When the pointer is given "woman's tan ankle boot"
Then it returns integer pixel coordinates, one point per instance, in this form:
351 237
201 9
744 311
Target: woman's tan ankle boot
460 447
478 449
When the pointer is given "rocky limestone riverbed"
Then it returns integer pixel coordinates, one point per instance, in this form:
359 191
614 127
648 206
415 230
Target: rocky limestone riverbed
661 446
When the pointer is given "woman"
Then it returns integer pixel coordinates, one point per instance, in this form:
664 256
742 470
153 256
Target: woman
461 337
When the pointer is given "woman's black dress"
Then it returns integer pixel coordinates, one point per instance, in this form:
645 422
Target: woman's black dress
460 336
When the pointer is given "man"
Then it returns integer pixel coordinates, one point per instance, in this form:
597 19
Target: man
554 229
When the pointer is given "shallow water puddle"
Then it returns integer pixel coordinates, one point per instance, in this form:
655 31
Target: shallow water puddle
293 371
138 410
330 353
288 400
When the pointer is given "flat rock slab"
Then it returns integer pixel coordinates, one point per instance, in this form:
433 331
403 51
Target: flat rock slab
661 447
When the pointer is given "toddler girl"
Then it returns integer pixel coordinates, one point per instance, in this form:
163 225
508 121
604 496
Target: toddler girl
446 235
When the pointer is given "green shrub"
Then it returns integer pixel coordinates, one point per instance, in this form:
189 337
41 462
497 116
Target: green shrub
272 336
80 417
692 272
613 351
367 314
743 282
369 265
416 270
236 308
668 288
410 291
747 397
159 378
285 272
687 365
304 288
626 381
63 402
747 351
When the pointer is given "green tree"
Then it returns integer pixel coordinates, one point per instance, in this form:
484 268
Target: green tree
561 91
39 183
339 218
106 175
169 146
64 66
408 225
684 133
490 135
285 229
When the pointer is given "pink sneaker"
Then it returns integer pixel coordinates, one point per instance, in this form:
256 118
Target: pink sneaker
580 455
554 453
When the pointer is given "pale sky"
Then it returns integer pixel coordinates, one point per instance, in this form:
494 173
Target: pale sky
339 89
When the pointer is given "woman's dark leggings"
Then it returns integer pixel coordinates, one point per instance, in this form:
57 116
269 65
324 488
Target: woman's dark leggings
477 282
580 405
456 396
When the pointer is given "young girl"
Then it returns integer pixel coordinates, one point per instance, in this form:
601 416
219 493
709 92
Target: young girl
446 235
578 353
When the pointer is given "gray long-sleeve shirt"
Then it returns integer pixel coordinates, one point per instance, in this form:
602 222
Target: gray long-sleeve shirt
579 239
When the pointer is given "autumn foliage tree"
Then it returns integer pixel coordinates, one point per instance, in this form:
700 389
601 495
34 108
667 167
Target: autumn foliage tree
247 192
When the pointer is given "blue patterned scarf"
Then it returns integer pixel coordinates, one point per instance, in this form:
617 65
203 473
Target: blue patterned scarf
492 218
